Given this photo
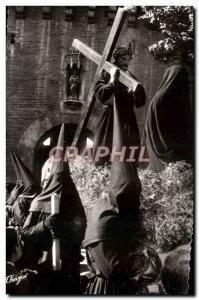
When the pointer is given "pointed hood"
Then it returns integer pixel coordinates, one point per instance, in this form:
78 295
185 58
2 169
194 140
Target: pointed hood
15 165
59 165
116 217
125 183
61 183
22 193
22 172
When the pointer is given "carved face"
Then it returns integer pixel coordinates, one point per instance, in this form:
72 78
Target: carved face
123 62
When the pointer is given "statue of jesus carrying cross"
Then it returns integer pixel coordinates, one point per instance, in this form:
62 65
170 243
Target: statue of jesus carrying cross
120 84
107 88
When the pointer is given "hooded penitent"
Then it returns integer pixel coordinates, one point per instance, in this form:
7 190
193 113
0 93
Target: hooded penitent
22 172
61 183
117 216
168 123
26 183
70 225
23 197
115 240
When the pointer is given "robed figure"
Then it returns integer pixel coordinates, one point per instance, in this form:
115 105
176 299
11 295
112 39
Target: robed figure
168 128
27 188
31 188
119 258
69 226
109 88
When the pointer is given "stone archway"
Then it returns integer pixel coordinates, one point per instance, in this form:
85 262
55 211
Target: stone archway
49 140
30 144
33 133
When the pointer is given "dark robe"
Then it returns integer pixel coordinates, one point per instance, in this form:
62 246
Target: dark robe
168 127
70 230
71 233
105 92
20 211
20 208
120 263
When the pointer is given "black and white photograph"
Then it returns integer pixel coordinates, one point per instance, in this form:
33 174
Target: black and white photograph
100 150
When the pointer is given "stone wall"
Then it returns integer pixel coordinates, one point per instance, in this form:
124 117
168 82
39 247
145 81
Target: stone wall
35 73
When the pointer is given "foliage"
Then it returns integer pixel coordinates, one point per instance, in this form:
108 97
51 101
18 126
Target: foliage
167 203
91 181
166 200
176 24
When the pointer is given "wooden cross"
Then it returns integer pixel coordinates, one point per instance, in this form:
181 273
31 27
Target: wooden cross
103 63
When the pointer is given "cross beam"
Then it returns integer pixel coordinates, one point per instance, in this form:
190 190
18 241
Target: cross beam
96 57
106 56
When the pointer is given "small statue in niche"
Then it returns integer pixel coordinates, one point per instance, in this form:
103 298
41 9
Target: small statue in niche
74 83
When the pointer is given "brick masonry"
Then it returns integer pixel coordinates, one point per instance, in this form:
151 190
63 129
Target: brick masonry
35 74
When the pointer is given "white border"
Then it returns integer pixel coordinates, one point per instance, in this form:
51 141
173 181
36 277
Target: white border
3 4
